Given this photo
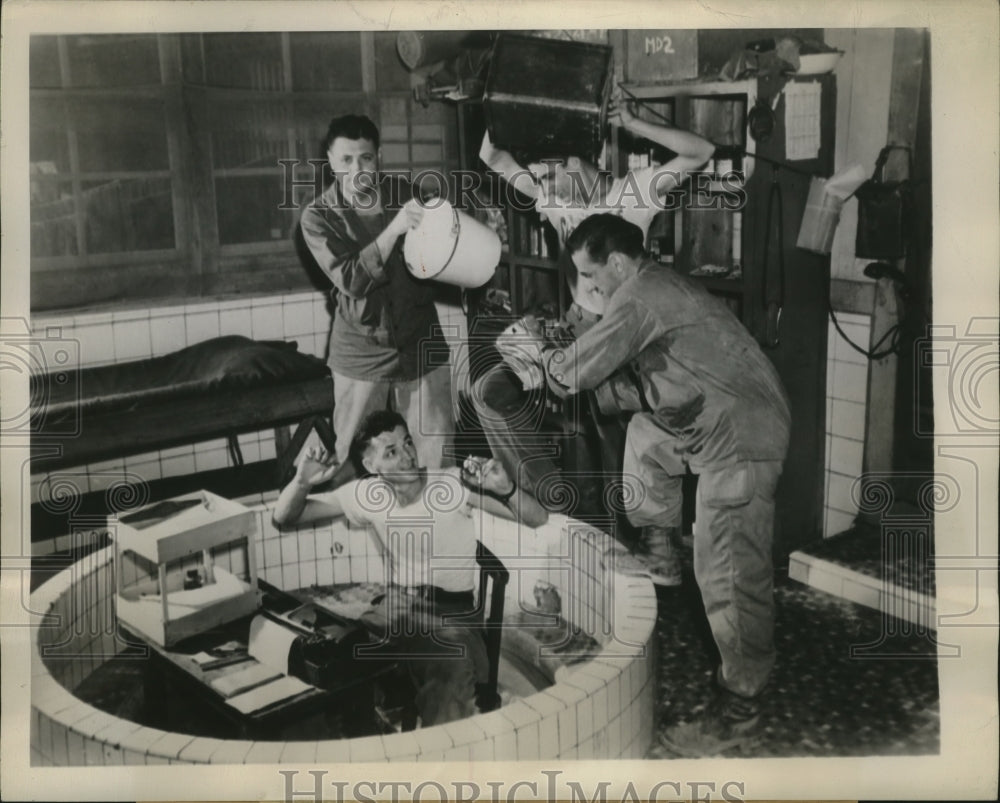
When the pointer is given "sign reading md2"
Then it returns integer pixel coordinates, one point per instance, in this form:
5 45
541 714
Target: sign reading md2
659 44
658 55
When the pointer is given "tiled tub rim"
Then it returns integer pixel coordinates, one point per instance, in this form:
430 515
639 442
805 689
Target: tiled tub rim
52 700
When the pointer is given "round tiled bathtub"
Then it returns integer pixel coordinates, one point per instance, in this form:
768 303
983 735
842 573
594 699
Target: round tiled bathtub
599 708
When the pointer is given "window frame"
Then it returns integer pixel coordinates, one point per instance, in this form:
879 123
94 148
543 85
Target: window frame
200 265
68 93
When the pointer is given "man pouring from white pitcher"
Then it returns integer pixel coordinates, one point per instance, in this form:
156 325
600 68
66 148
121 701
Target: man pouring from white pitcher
386 344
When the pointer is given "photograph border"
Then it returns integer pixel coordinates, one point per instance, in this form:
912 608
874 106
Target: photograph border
965 132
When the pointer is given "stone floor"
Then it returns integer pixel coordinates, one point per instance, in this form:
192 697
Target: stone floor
907 563
821 701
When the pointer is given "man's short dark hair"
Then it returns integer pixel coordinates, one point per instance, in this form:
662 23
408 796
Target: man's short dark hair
351 126
373 425
599 235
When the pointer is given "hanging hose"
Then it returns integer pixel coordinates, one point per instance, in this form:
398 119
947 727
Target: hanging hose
892 332
878 270
773 298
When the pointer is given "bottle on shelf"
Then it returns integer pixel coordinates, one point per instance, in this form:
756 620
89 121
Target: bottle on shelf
737 271
661 238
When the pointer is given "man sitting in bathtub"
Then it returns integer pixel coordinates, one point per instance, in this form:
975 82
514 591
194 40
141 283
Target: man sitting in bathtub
423 522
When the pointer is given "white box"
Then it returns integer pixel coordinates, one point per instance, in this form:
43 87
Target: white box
159 545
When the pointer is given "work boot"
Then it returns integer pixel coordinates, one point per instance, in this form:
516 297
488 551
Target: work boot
730 722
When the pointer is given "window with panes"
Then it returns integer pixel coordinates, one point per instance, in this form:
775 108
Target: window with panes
170 154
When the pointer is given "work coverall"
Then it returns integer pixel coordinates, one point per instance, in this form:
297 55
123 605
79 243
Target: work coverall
693 355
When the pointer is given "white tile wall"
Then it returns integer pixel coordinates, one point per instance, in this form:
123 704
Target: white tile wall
266 319
110 337
96 339
847 394
167 333
201 325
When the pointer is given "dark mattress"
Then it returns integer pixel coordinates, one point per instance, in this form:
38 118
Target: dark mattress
221 364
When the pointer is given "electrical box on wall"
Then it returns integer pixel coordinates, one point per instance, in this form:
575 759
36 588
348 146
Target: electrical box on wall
659 55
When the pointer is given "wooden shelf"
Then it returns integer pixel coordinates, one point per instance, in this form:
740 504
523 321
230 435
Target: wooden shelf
545 263
719 284
649 91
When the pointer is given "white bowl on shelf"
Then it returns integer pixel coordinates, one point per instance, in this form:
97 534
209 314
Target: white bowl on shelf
818 63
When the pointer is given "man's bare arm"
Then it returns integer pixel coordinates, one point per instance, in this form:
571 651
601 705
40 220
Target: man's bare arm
293 506
692 150
503 163
490 475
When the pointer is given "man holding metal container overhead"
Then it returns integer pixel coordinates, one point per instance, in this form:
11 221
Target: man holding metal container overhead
566 192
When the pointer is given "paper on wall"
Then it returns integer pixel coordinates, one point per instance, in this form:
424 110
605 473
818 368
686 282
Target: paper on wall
802 113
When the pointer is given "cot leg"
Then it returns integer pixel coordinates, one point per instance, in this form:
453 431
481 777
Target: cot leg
325 432
282 440
289 450
234 450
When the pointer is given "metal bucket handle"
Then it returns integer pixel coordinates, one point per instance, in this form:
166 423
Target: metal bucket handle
456 229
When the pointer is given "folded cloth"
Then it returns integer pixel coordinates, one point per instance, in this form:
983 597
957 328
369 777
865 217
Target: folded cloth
217 364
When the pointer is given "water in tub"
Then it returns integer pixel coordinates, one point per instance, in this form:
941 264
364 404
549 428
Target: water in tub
536 642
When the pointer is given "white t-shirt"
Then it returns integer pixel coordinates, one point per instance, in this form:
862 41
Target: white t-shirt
431 541
632 197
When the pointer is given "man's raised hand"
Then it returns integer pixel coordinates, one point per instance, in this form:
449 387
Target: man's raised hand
316 467
408 217
487 474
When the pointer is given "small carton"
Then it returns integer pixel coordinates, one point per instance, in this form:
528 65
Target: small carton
184 566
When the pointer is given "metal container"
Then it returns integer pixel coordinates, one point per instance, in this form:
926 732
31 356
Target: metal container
546 97
452 247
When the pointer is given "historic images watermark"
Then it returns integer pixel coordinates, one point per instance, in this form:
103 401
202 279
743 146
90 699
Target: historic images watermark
47 362
548 785
83 623
965 425
964 421
304 179
906 587
971 364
